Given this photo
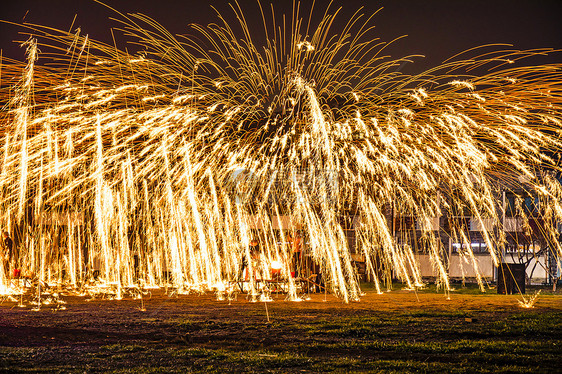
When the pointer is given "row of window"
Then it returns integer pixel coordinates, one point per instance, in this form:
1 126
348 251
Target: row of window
477 247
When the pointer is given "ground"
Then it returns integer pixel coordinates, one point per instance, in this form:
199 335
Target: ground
399 331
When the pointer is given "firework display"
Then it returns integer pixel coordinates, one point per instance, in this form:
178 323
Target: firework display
161 167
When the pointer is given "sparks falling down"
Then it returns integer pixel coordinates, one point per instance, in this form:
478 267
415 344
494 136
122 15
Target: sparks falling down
159 168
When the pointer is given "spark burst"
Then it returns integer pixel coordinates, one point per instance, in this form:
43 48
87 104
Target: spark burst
159 168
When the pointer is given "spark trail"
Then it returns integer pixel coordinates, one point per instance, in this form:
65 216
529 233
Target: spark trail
159 168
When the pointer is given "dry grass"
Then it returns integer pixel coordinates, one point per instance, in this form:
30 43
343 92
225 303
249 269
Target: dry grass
398 331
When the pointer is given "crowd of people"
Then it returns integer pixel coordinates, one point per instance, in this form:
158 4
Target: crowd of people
300 265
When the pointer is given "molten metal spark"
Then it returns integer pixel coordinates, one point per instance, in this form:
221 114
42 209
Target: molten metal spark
159 169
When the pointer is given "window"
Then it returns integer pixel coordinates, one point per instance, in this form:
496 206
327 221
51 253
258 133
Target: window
531 205
510 207
476 246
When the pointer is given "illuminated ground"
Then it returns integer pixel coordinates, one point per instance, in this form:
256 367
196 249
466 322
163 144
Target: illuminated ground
394 332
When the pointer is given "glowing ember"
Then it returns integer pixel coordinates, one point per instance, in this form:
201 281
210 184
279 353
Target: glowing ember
529 302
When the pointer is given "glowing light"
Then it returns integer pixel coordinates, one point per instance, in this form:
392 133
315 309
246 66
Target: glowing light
529 302
119 171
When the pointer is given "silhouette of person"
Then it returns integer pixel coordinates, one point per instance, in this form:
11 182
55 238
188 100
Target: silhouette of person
10 254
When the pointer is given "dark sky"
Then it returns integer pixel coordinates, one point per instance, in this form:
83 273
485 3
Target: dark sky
435 28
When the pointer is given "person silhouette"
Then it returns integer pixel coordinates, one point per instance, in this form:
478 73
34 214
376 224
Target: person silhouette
10 255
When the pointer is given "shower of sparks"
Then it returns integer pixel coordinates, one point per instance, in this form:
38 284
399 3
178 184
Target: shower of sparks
159 168
529 302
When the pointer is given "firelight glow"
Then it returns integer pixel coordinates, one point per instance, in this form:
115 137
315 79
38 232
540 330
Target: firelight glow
159 168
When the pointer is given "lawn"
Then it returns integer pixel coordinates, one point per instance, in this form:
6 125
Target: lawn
399 331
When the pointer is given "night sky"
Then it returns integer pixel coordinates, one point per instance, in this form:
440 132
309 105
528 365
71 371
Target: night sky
437 29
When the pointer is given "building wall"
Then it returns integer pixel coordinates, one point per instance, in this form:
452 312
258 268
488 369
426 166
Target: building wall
463 265
459 265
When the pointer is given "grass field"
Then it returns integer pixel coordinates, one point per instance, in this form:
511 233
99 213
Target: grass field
398 331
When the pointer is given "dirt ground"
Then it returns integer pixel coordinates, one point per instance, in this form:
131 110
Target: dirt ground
398 331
